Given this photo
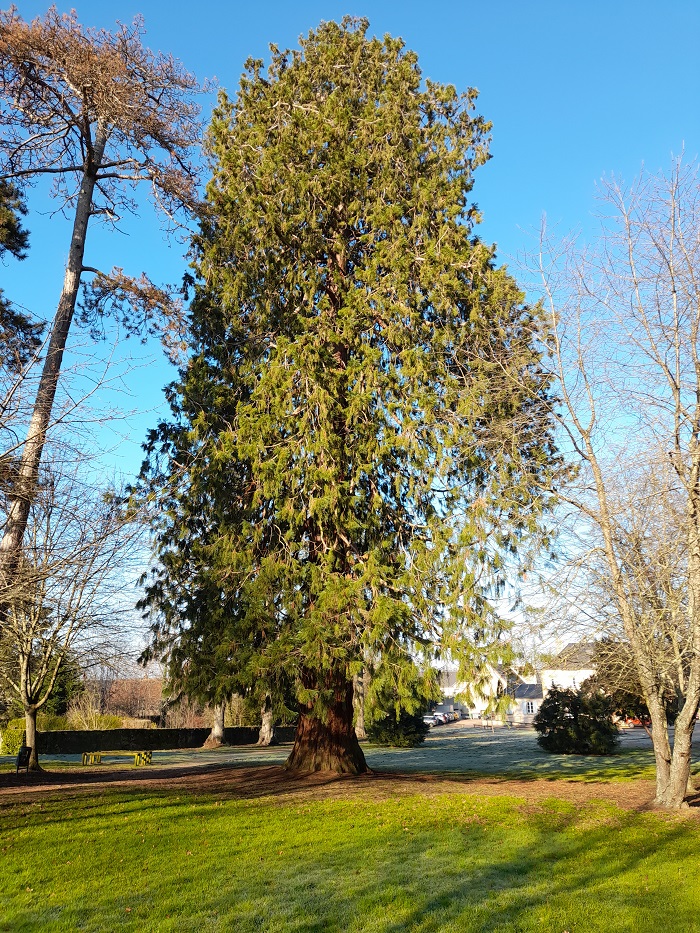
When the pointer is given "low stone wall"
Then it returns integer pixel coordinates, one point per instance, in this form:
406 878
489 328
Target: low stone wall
144 740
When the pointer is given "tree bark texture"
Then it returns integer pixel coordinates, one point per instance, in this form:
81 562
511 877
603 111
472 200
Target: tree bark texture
328 743
30 737
267 728
217 736
359 682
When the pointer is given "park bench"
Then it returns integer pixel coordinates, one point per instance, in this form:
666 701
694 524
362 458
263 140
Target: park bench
23 756
140 758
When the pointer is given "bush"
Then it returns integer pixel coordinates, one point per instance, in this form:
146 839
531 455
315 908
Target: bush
107 721
399 694
574 723
12 737
407 730
48 722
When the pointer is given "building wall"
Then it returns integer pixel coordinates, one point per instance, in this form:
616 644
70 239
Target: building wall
566 680
452 691
521 713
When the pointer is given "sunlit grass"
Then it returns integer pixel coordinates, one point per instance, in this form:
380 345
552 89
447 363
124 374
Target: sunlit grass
128 861
512 755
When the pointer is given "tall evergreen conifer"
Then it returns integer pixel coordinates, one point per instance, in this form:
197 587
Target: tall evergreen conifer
361 430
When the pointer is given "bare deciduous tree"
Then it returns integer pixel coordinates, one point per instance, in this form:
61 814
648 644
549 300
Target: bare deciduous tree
99 113
625 318
64 600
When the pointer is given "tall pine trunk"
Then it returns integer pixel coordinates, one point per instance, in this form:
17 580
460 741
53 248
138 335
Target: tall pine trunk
329 743
217 736
18 514
359 692
267 728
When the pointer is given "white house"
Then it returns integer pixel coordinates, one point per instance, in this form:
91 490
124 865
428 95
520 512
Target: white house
568 670
527 699
570 667
455 693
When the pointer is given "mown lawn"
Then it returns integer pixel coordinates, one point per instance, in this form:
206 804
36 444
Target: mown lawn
126 860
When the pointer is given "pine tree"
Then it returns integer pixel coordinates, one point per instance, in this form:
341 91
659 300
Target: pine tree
19 335
362 420
99 113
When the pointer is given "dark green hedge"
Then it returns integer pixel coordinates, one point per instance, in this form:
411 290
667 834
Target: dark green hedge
144 740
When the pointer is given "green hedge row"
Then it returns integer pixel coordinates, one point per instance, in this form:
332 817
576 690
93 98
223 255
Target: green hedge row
139 740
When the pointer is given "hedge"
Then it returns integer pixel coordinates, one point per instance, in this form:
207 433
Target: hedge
140 740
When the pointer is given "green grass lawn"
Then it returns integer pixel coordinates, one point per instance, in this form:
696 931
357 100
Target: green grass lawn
144 862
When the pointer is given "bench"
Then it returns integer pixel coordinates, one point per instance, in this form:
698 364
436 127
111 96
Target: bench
140 758
23 756
92 758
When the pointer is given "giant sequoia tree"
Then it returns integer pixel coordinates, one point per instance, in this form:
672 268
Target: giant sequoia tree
360 429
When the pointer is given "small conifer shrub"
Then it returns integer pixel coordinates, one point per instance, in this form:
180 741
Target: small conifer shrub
571 722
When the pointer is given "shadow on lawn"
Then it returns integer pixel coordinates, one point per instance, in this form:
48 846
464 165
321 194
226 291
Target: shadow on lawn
525 881
471 873
501 886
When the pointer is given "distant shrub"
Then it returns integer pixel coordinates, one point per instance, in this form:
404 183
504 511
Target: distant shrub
396 699
573 723
108 721
48 722
82 716
407 730
12 737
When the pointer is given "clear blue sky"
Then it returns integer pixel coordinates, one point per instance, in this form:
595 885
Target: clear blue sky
575 90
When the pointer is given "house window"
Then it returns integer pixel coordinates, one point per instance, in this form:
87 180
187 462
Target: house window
529 707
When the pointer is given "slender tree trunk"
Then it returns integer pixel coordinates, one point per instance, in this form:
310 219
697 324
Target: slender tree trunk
11 544
30 736
673 761
678 783
217 736
359 682
660 741
328 744
267 728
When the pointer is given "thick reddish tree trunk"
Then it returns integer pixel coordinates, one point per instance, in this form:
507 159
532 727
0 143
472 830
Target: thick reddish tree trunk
329 743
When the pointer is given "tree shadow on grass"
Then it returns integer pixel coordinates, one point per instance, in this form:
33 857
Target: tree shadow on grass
469 865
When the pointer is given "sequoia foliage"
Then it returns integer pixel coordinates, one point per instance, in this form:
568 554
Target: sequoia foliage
361 433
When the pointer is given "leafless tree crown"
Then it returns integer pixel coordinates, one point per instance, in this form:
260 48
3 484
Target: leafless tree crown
64 87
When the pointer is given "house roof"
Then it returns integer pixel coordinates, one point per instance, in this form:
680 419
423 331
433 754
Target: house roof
528 692
576 656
